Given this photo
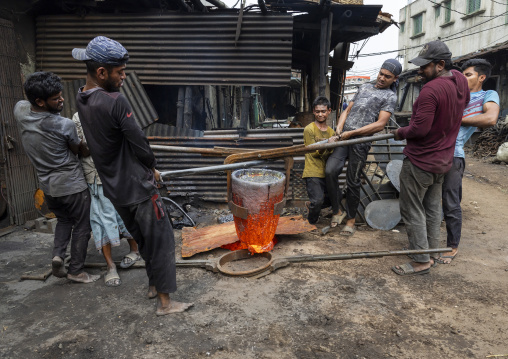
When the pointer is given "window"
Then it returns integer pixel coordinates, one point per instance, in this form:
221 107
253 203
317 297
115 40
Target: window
473 5
438 11
402 26
418 24
448 11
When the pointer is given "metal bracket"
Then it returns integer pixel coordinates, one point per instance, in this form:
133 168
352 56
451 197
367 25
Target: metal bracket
278 207
238 211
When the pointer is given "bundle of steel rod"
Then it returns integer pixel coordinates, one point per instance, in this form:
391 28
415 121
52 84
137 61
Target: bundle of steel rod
253 158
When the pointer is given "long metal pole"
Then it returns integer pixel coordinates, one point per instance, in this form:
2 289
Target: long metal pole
219 168
299 149
345 256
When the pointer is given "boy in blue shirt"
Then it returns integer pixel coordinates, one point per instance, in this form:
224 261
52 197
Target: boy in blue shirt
482 111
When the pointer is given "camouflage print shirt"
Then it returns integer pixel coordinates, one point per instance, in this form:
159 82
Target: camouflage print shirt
368 102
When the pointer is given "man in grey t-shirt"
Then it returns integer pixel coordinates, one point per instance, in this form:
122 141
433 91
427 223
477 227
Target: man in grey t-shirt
366 114
51 142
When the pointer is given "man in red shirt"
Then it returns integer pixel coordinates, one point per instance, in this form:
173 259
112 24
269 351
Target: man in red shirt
431 135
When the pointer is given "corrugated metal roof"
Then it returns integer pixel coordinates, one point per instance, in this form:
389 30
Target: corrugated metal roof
144 112
177 49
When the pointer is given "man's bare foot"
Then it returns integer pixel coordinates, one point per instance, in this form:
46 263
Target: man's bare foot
83 277
447 257
152 292
167 306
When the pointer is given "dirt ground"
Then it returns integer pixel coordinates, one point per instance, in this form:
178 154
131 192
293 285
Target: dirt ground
343 309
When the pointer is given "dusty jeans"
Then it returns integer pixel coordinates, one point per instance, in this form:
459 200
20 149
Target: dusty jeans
420 207
452 195
318 197
73 214
356 155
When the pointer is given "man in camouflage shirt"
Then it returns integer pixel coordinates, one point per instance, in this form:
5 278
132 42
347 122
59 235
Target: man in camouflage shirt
366 114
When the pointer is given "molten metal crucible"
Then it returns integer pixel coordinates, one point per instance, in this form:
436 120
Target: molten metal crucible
257 202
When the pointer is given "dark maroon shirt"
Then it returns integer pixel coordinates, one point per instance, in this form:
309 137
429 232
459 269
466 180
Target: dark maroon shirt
435 123
120 151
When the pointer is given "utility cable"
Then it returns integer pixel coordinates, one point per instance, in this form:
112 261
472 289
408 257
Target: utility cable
445 38
458 12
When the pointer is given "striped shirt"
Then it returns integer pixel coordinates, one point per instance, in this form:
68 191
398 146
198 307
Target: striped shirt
474 108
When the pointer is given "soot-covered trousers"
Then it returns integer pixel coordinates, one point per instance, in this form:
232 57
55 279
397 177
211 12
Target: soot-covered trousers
420 207
318 197
148 223
73 214
356 155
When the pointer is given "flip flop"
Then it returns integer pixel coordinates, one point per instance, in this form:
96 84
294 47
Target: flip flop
407 269
129 260
112 279
337 219
348 231
411 256
441 261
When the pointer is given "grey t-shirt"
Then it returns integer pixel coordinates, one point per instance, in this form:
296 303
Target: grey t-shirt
368 102
46 138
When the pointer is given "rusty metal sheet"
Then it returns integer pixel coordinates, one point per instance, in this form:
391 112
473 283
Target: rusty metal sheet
17 170
176 48
144 111
204 239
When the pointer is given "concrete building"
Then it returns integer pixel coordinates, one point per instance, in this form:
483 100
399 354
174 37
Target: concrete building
352 84
466 26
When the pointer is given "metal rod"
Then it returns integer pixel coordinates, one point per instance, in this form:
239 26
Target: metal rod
344 256
219 168
180 149
300 149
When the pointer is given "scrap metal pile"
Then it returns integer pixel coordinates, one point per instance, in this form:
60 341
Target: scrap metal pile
489 141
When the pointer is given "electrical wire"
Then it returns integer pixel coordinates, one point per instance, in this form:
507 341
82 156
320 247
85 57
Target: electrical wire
458 12
444 38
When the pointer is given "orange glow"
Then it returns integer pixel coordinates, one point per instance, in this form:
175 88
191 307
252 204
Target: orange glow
257 232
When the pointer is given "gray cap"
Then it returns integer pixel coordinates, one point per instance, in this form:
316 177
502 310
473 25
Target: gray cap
102 50
434 50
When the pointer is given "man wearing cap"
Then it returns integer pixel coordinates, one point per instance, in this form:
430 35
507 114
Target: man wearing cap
431 135
126 165
51 142
366 114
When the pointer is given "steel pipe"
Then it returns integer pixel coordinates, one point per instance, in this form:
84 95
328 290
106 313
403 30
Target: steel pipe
219 168
300 149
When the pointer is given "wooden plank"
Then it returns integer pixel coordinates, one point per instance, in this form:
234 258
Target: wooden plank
207 238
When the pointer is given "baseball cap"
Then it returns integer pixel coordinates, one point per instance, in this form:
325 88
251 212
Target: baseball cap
102 50
434 50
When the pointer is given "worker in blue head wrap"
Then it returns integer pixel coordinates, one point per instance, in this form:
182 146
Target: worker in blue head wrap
395 68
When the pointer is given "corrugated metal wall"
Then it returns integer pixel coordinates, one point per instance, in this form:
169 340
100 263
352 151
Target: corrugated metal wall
20 175
144 112
177 49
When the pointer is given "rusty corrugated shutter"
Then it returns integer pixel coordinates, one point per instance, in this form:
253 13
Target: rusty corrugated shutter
177 49
20 175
